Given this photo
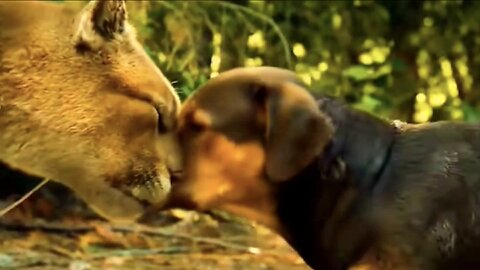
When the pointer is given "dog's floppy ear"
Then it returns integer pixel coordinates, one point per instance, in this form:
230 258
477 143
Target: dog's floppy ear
296 130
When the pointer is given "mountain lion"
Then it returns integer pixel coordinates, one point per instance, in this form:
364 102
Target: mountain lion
82 103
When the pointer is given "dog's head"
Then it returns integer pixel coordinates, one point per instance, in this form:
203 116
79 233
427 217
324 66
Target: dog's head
241 133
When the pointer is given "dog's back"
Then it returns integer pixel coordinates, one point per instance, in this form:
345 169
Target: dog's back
430 191
423 201
407 200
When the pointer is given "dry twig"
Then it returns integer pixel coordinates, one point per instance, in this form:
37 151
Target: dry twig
23 198
137 228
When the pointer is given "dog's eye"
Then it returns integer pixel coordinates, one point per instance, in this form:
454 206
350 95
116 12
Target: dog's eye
197 121
196 127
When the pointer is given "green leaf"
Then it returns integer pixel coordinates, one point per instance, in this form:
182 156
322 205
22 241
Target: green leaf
470 113
363 73
385 69
368 103
398 65
358 73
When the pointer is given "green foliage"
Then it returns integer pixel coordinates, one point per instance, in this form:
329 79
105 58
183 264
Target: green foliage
409 60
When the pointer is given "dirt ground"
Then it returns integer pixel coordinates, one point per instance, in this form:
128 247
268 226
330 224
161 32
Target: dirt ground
51 231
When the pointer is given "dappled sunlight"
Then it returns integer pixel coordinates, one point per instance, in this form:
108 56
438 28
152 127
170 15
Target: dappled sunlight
361 52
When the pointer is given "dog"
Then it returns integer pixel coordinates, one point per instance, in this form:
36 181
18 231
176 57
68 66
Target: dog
83 104
346 189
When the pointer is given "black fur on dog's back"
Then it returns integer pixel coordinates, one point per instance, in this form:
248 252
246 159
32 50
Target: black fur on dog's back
409 195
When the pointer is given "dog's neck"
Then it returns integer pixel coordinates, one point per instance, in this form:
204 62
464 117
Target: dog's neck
360 140
320 209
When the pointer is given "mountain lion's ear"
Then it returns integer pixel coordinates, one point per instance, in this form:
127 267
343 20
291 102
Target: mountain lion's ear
296 130
109 17
101 21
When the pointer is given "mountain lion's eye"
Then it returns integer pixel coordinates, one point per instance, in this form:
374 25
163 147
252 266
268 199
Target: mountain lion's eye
162 127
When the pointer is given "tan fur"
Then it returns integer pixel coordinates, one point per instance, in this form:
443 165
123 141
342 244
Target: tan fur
241 135
82 107
227 175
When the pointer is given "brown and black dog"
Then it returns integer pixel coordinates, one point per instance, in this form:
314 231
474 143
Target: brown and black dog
347 190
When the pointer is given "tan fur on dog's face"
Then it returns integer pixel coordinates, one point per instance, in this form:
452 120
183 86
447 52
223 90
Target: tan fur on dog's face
83 104
241 133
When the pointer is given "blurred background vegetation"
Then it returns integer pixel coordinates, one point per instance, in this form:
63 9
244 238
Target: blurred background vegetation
409 60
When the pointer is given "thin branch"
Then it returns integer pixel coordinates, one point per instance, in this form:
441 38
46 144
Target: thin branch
258 15
137 252
23 198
